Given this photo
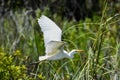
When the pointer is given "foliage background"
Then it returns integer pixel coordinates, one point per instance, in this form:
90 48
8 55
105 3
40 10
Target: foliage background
91 25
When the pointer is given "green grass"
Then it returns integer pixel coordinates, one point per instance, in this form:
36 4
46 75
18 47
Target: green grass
98 37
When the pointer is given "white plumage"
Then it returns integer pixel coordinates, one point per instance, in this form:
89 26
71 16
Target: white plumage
52 40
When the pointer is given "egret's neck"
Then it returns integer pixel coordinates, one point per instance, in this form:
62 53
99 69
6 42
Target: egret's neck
71 53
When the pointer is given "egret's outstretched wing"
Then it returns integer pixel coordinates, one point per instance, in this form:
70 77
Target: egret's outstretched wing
50 30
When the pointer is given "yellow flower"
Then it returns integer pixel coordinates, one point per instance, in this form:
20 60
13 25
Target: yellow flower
40 76
17 53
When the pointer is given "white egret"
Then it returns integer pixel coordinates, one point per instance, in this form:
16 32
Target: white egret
52 40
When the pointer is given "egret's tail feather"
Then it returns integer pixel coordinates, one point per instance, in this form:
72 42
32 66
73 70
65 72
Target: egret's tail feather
41 58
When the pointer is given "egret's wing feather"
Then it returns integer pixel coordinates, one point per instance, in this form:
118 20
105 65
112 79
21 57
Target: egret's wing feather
53 47
50 30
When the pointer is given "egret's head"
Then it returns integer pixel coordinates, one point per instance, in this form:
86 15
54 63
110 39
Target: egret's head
74 51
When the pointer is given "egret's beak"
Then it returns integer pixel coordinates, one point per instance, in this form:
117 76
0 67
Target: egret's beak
80 50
